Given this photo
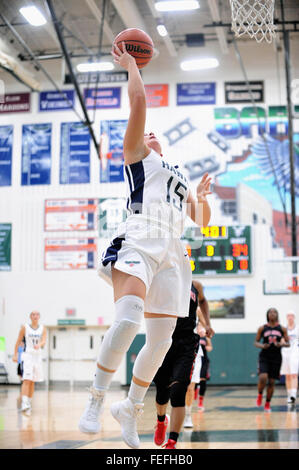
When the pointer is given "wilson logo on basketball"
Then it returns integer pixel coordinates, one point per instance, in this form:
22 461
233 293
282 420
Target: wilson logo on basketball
138 49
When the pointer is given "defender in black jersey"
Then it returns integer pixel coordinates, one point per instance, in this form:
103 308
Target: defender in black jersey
273 337
173 377
206 346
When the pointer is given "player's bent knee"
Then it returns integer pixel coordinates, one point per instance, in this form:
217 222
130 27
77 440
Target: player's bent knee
263 378
123 334
162 395
119 337
178 394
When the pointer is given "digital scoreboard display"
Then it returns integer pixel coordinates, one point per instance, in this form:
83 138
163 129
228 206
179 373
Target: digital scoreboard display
219 250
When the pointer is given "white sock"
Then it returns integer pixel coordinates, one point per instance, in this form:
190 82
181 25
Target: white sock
137 393
102 379
188 410
293 392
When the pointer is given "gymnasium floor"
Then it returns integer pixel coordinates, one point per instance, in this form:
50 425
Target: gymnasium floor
230 421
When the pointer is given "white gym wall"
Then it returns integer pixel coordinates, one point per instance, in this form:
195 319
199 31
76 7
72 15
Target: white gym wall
28 286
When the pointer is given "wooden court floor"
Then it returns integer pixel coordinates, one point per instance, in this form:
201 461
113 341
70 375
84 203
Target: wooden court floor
230 420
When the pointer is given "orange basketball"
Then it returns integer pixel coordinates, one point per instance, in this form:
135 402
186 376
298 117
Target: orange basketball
138 44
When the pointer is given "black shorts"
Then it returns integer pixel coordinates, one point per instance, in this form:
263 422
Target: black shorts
270 366
20 369
178 362
204 371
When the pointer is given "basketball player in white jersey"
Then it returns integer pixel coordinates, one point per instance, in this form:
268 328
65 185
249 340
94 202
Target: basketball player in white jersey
146 263
290 359
35 339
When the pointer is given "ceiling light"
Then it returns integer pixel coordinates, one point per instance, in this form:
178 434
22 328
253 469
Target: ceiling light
162 30
177 5
33 16
95 67
199 64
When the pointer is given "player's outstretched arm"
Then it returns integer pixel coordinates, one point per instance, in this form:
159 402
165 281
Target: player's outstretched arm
134 147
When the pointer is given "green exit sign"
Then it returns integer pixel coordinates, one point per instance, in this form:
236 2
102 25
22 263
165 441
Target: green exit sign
219 250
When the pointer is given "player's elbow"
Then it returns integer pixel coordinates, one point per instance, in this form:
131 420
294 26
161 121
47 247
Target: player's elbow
137 99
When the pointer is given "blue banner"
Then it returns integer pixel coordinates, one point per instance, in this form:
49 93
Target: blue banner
74 153
111 151
55 101
6 137
102 98
36 154
189 94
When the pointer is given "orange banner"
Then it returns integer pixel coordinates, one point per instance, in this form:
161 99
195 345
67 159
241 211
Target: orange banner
156 95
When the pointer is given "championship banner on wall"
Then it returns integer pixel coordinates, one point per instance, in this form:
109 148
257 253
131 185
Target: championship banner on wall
190 94
98 77
111 151
56 101
5 247
15 103
70 214
102 98
36 154
70 254
112 212
6 139
238 92
74 153
156 96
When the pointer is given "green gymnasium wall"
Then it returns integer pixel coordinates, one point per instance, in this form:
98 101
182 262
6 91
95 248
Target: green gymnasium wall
233 360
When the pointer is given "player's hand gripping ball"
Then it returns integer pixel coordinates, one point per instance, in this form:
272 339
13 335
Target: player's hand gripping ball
138 44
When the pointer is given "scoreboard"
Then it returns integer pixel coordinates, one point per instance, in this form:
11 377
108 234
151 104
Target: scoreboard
219 250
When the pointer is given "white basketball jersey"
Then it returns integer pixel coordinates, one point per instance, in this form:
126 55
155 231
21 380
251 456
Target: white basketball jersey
32 338
293 339
158 192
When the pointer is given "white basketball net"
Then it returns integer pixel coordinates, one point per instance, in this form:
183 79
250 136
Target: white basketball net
254 18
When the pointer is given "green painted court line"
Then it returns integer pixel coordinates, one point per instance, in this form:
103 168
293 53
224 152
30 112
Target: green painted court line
64 444
240 435
254 408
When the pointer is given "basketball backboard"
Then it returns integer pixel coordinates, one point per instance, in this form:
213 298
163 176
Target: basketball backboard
282 276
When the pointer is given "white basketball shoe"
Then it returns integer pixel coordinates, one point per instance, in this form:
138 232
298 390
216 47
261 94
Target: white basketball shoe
188 421
126 413
89 421
26 403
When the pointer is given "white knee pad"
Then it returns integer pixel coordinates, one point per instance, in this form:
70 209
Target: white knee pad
158 341
118 339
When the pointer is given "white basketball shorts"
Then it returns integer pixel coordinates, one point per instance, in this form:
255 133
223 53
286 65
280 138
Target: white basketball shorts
32 367
161 263
290 362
